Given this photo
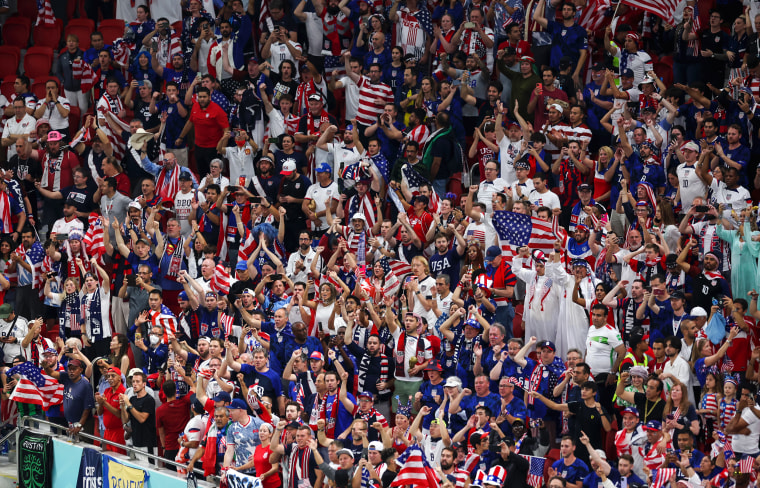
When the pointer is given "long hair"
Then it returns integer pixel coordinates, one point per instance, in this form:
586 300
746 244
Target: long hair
123 345
684 404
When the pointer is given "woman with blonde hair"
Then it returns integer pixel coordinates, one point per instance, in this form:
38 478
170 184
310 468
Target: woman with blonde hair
420 290
679 413
70 309
665 220
603 177
324 306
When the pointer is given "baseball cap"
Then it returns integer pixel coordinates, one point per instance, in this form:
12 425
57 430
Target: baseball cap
241 266
375 446
598 67
653 426
133 371
323 168
510 51
671 261
358 216
434 366
632 35
492 253
366 394
453 381
316 97
539 256
548 344
237 404
565 62
630 411
601 453
114 369
347 452
54 136
317 356
182 295
691 146
44 121
627 73
50 350
253 58
185 177
75 362
420 198
144 241
678 294
134 205
248 291
5 310
473 323
223 396
698 312
584 187
288 168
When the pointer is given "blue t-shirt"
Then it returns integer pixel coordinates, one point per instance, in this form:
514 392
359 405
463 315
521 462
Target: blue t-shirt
266 384
77 397
174 123
573 473
447 263
135 261
472 402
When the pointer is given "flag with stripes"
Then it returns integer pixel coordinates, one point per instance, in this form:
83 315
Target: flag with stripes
221 280
727 366
400 268
745 465
665 9
226 322
517 230
264 15
661 476
592 17
121 51
93 238
413 178
45 13
720 478
35 387
83 72
115 106
34 256
536 471
415 470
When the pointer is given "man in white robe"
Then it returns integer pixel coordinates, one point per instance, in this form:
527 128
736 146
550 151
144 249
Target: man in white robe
574 318
543 295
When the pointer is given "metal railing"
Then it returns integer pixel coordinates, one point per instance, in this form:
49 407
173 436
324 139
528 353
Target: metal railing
31 422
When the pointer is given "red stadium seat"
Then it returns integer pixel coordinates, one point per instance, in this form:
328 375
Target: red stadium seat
82 28
10 57
664 71
75 117
111 29
38 87
48 36
16 31
667 60
28 10
6 87
38 62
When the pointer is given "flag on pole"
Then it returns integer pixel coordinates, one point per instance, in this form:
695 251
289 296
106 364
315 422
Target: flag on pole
661 476
592 16
415 470
35 387
665 9
536 471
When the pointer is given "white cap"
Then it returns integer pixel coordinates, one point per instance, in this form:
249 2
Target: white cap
698 312
288 167
359 216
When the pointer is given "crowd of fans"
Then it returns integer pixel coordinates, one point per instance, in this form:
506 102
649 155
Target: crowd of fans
295 238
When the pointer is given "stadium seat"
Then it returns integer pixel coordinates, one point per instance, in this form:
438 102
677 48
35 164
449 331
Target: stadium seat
665 72
16 32
75 117
48 36
6 87
10 56
111 29
38 62
38 87
667 60
82 28
28 10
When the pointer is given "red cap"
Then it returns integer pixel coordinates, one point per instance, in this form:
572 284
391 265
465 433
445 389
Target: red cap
114 369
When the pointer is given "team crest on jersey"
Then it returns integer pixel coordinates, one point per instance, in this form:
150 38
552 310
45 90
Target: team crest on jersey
247 152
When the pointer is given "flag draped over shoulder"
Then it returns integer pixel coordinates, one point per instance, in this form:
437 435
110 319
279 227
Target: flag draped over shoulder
415 470
221 280
35 387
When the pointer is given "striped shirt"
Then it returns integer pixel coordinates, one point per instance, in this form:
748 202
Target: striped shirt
369 92
580 133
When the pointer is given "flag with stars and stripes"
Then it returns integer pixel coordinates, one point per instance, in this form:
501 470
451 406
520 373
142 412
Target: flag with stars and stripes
661 476
720 478
121 51
83 72
34 256
745 465
536 472
413 178
517 230
45 13
35 387
415 470
593 14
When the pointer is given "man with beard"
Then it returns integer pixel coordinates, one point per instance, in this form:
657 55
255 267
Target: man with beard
340 155
409 366
449 467
58 170
179 74
79 195
728 192
298 456
709 283
374 368
596 104
108 72
569 38
212 449
313 123
226 46
291 197
265 183
373 95
642 167
259 378
26 168
140 411
209 121
318 197
161 37
78 399
328 407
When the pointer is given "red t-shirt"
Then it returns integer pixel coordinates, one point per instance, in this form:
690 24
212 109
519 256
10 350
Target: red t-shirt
110 420
420 224
173 416
209 124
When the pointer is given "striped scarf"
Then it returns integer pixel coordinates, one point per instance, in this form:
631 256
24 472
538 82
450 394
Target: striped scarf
535 381
6 226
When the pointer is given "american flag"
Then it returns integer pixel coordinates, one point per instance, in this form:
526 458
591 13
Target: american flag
660 477
45 13
415 470
93 238
121 51
727 366
400 268
745 465
35 255
221 280
592 16
696 27
665 9
536 472
166 320
519 230
226 322
35 387
83 72
720 478
725 441
413 178
263 15
115 106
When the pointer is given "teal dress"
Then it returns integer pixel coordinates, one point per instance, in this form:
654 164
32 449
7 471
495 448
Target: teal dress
744 254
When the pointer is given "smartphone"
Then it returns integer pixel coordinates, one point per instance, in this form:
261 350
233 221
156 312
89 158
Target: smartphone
273 140
132 280
138 336
62 237
140 83
154 46
232 188
199 77
254 199
276 277
469 25
657 292
701 208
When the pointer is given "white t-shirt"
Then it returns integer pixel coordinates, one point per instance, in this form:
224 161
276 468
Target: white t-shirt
320 194
314 33
53 115
600 348
410 351
341 157
737 199
546 199
279 52
526 188
19 329
690 185
508 153
351 91
486 190
182 209
240 162
747 443
444 304
62 226
12 126
426 290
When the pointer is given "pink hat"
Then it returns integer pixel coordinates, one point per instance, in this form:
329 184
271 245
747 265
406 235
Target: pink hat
54 136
